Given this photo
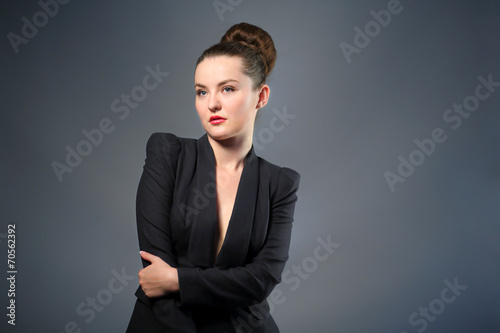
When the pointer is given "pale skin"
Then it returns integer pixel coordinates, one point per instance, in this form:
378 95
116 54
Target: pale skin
222 89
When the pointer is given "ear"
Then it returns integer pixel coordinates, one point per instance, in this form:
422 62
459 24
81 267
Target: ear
263 96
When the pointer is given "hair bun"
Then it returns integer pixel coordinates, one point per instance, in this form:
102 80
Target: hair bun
256 38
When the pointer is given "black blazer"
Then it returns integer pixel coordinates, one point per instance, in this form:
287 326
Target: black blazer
177 221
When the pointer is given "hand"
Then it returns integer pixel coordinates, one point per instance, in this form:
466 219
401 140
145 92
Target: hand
159 278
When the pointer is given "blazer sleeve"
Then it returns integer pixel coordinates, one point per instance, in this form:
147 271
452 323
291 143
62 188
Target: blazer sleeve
243 286
153 202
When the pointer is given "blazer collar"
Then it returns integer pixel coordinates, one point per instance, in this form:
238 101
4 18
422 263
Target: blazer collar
235 247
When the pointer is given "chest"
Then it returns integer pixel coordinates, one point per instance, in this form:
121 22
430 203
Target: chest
216 218
226 188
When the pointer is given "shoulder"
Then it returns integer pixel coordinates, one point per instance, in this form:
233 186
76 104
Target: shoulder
165 150
279 176
166 143
273 170
161 142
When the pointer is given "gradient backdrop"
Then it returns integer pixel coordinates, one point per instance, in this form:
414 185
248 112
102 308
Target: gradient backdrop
389 110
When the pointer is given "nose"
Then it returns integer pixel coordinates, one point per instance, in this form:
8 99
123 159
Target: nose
214 103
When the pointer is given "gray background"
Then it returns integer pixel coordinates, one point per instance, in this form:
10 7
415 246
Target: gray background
352 121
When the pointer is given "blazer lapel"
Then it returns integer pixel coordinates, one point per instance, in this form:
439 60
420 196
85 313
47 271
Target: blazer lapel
235 247
201 243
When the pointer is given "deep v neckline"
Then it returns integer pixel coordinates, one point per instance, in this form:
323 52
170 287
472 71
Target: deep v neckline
204 223
238 189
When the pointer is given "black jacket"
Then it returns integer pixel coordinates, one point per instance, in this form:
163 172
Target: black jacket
177 221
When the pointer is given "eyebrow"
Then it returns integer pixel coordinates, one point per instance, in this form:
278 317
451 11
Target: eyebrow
219 84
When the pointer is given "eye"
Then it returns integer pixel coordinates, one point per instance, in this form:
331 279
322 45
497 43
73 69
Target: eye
227 89
201 92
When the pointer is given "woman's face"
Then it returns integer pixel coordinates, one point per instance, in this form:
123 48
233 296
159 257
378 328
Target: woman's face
225 101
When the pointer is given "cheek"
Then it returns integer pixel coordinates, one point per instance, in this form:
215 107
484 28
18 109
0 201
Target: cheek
198 104
241 104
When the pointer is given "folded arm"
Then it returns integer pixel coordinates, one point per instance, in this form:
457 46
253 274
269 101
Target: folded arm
154 198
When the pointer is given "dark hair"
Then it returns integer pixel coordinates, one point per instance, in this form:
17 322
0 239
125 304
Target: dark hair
253 45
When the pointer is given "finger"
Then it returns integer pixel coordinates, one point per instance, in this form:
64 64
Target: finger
148 256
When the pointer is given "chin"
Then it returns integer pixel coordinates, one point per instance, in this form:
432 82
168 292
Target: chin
217 135
221 135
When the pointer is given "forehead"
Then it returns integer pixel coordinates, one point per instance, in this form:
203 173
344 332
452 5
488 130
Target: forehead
219 68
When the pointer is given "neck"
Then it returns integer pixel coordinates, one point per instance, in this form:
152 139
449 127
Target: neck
230 154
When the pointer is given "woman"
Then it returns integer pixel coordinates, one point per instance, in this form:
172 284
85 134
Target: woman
214 220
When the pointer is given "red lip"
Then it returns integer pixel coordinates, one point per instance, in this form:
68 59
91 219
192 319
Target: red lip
216 120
